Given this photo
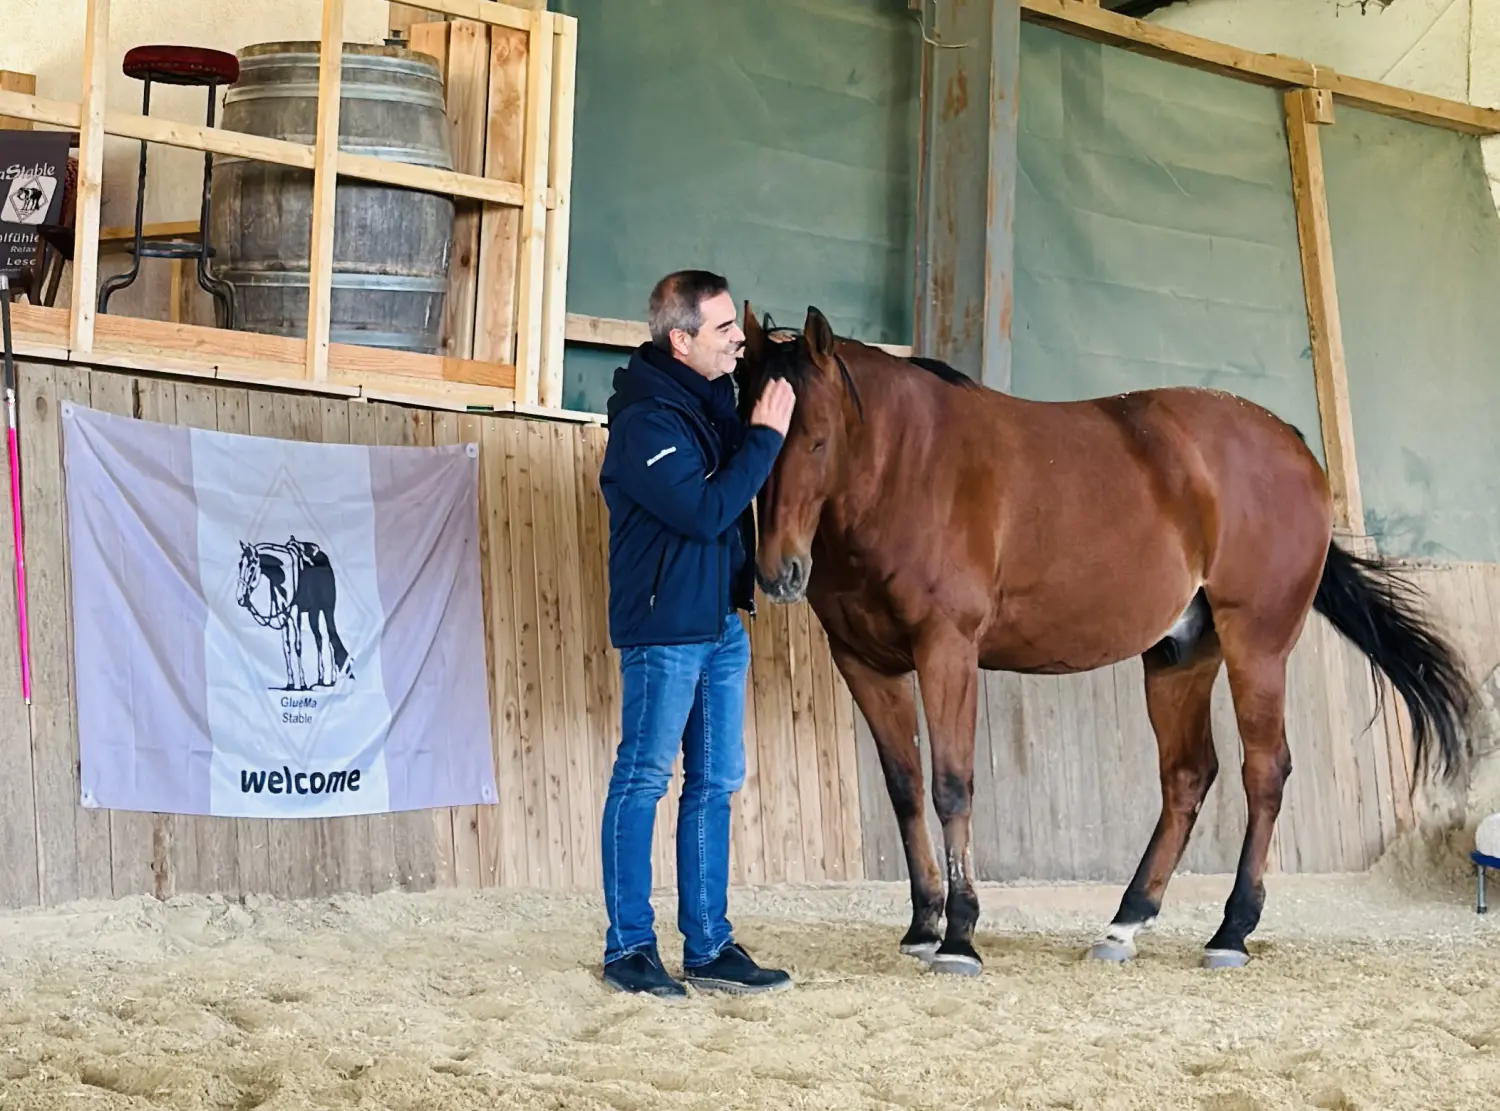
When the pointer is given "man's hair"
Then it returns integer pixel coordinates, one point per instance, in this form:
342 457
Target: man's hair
677 302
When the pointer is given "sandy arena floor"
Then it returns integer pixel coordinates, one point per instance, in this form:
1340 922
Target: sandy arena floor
1365 994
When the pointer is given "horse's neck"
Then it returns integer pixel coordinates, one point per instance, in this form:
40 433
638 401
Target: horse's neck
892 440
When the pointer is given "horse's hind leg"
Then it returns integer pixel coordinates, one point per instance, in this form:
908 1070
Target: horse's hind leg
1257 681
1179 700
317 635
888 706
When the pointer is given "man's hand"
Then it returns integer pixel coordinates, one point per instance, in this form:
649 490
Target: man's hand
774 409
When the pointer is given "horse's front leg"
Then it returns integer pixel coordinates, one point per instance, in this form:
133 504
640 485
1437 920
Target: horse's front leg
887 703
947 669
286 654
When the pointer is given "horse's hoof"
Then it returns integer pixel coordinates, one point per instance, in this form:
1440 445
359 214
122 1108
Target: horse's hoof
1112 950
956 964
922 950
1224 958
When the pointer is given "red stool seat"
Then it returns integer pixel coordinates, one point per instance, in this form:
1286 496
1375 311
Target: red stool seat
182 65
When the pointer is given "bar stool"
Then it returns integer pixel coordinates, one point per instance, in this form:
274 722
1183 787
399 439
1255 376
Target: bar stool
190 66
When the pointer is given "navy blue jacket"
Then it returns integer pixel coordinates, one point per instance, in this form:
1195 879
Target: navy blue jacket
681 530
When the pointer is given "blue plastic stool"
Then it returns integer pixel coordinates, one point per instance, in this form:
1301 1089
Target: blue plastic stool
1481 864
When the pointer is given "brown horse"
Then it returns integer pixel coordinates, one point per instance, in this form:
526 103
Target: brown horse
939 526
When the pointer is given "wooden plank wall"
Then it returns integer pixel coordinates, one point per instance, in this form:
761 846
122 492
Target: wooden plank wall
554 690
1066 782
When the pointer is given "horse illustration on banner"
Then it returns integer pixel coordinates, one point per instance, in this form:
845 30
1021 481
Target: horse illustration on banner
296 582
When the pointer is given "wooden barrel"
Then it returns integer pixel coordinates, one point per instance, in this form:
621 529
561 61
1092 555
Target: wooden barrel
391 245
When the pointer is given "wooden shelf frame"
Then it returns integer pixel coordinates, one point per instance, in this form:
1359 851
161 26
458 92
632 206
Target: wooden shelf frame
523 368
527 370
1088 20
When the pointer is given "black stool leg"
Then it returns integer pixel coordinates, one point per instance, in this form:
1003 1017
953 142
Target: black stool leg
222 291
120 281
1482 906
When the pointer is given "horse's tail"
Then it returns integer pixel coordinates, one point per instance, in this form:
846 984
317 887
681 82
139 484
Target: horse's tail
1381 615
340 653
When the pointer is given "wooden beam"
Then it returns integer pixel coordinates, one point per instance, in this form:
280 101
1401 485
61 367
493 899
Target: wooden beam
89 194
1097 24
431 179
36 109
259 148
560 177
12 81
325 189
486 11
605 331
1316 244
121 238
1089 21
1404 104
531 270
42 331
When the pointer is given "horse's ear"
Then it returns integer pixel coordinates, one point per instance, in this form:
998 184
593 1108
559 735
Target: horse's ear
819 334
755 336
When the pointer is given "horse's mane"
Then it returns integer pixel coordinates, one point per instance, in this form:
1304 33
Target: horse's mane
786 348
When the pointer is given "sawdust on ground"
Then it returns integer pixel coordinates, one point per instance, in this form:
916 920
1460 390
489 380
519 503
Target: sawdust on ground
1375 991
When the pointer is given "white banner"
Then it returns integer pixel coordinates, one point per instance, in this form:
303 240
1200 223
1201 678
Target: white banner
270 628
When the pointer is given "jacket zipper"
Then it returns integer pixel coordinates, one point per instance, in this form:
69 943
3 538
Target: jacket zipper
656 578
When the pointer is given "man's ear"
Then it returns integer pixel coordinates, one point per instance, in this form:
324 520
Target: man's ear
819 334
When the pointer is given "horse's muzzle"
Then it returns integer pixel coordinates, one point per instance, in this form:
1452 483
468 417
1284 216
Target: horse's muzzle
790 583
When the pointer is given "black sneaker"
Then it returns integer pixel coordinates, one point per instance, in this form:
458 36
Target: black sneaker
642 972
733 970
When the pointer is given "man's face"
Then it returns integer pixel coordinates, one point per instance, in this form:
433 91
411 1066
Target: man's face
719 342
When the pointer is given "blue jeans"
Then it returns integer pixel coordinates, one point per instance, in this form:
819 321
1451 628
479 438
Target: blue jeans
693 696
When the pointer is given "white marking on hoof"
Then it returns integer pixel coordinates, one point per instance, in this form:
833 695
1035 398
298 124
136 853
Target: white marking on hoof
922 950
1106 949
955 964
1117 942
1224 958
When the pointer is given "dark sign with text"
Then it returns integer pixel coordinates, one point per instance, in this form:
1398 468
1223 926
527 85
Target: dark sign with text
33 172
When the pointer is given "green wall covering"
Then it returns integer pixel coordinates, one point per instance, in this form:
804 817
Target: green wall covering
773 141
1416 247
1156 239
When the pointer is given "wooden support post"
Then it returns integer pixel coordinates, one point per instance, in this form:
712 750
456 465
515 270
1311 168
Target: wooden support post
560 176
90 178
12 81
325 189
964 281
1304 109
531 275
500 228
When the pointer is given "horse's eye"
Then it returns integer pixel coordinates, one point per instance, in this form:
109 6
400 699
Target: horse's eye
818 445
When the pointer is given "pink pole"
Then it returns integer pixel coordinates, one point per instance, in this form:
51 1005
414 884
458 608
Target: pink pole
15 517
14 449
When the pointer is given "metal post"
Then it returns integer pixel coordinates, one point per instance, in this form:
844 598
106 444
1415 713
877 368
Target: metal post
967 183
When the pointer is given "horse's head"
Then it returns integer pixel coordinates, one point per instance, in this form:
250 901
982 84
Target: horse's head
249 574
811 465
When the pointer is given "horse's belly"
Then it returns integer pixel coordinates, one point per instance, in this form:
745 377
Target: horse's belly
1081 625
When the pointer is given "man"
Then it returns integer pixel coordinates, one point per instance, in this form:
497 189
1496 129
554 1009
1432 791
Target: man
679 476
